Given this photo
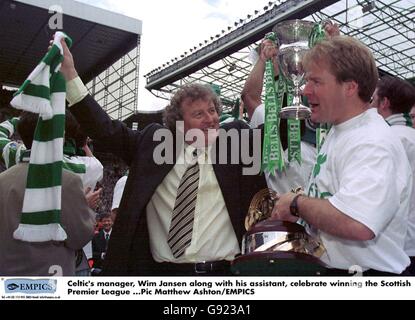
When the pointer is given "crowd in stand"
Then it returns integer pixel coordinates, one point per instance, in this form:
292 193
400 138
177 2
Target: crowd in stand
114 169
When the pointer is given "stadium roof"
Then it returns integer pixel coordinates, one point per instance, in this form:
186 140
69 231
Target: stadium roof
100 37
386 26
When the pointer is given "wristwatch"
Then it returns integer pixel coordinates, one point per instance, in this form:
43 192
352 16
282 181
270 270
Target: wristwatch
294 206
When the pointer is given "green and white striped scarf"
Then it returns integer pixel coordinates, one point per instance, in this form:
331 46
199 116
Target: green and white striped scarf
44 93
399 119
11 152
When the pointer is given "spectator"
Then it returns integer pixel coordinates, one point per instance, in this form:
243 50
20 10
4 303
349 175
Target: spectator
393 99
100 243
85 165
22 258
412 115
77 158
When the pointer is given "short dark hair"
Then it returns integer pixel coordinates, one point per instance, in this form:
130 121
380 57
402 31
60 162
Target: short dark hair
400 93
104 216
194 91
28 121
73 130
26 127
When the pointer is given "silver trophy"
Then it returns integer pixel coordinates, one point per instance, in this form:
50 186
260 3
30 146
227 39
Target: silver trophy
276 248
293 36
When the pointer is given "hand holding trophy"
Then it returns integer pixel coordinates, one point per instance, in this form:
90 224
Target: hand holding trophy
293 37
274 247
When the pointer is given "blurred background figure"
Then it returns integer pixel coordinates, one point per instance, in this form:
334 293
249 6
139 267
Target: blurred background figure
412 115
100 243
393 98
22 258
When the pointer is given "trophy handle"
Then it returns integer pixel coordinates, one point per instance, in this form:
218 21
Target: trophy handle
261 207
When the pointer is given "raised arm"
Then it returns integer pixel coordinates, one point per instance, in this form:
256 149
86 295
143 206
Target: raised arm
251 93
113 135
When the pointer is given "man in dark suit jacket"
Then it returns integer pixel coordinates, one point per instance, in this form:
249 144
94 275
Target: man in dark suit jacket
139 243
100 242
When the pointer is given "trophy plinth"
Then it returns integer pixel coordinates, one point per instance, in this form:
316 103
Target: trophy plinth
273 247
293 36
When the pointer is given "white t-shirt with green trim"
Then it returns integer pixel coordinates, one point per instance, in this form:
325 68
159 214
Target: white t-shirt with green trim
407 136
363 171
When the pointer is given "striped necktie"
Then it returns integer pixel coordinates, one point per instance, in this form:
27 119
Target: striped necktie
181 226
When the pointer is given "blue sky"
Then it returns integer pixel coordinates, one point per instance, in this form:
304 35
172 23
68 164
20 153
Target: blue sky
172 27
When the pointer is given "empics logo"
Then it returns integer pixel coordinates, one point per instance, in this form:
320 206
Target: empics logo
30 286
12 286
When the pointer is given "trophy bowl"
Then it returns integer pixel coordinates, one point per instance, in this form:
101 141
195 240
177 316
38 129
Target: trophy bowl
276 248
293 37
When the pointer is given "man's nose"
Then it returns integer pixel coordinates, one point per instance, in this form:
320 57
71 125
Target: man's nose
209 118
306 89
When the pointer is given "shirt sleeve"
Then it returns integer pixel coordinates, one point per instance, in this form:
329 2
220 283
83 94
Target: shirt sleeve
75 91
366 177
118 191
258 117
94 171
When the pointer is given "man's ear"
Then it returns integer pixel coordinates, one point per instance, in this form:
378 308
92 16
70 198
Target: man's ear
352 88
384 103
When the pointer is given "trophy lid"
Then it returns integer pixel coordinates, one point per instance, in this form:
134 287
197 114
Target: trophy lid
291 31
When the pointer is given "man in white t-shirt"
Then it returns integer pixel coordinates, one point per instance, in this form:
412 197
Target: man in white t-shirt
393 99
412 115
358 196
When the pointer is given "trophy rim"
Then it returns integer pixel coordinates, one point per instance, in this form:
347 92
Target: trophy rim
278 255
274 226
278 263
291 22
